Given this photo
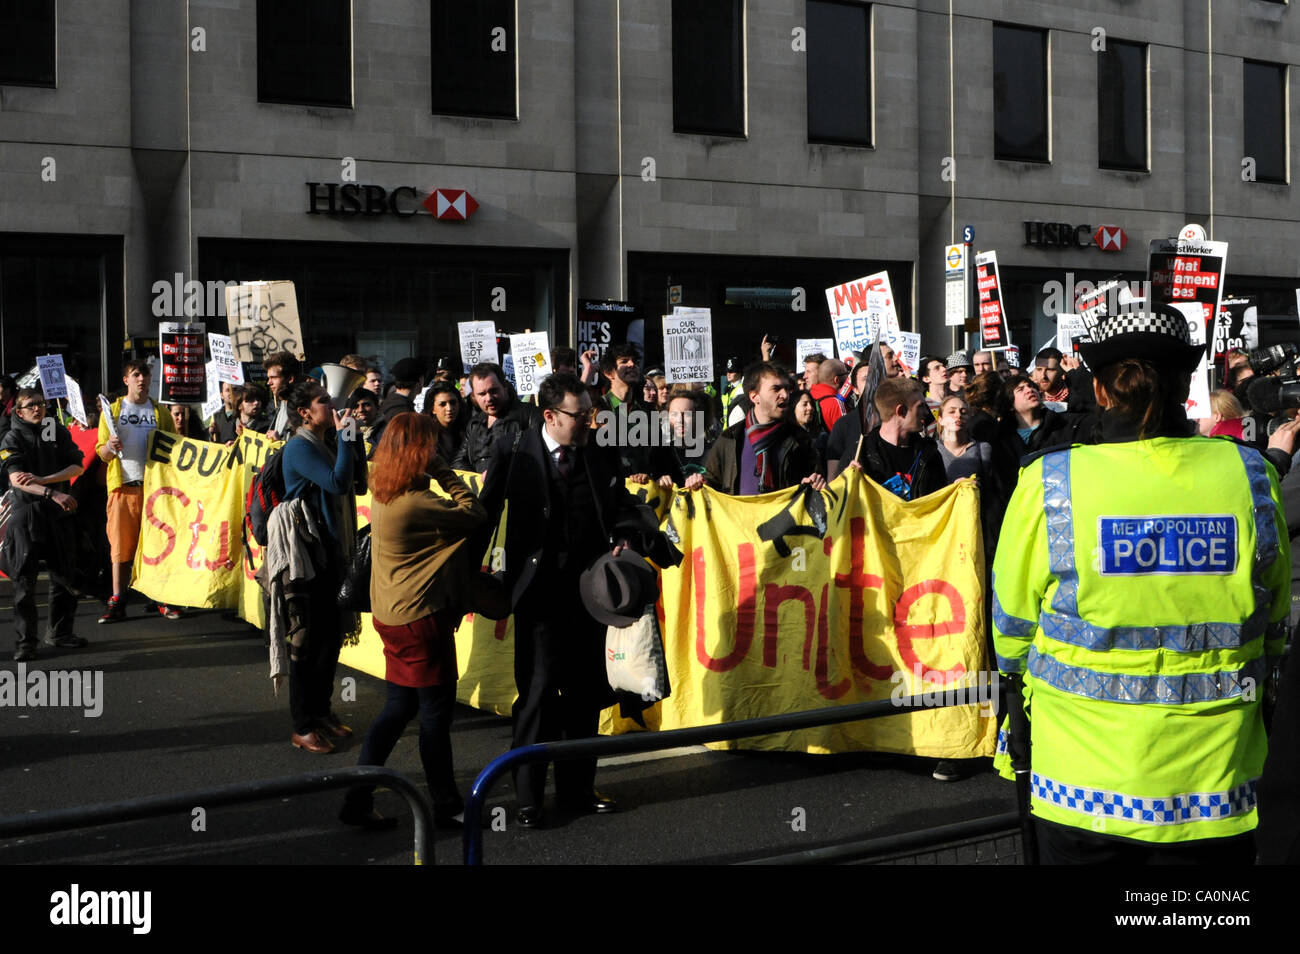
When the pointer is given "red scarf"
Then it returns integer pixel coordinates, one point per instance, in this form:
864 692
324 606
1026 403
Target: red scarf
762 437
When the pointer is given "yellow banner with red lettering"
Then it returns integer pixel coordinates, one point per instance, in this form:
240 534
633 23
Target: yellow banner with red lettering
784 602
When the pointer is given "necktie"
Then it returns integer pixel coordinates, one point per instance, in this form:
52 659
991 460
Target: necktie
564 462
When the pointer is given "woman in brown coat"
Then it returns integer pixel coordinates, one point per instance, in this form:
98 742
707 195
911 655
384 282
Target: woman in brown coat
415 533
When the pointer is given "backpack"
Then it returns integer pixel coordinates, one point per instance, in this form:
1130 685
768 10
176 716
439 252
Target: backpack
266 490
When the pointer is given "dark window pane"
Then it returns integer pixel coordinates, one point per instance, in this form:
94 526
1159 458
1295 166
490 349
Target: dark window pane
1122 106
708 67
27 42
839 73
304 52
1264 118
474 57
1019 93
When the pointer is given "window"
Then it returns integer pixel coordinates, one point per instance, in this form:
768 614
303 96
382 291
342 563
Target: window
1020 94
304 52
1122 106
839 72
474 58
709 67
27 42
1263 100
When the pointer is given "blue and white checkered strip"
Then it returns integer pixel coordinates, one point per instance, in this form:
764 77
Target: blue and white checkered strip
1176 689
1010 625
1145 809
1193 638
1060 531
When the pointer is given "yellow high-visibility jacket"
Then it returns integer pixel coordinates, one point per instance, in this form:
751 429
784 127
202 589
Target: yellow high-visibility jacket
1141 588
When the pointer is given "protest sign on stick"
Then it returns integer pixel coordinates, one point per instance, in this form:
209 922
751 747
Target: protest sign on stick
76 406
263 318
532 354
52 376
183 377
226 366
994 333
688 348
478 343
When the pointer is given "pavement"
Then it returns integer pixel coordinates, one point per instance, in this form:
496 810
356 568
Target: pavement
187 704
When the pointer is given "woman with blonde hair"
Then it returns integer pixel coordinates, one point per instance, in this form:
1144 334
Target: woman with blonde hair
1226 416
415 596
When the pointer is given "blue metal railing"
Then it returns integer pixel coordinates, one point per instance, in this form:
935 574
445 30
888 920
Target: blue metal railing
656 741
111 813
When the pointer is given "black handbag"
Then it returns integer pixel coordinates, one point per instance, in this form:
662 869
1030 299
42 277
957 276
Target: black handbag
354 594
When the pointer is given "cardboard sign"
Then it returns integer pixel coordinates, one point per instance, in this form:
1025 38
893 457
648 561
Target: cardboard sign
994 332
855 313
52 376
183 380
803 347
225 366
1070 329
532 361
478 342
1236 326
688 348
263 319
76 406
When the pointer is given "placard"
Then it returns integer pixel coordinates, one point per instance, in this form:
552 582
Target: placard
263 318
994 333
1188 272
803 347
853 311
213 404
532 354
478 343
1013 356
909 351
688 348
1070 329
182 379
225 366
1198 398
53 376
76 406
1237 325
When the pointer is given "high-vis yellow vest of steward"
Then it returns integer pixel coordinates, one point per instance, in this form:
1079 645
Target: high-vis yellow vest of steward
1140 588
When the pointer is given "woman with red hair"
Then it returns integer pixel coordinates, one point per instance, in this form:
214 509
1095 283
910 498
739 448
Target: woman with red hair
415 588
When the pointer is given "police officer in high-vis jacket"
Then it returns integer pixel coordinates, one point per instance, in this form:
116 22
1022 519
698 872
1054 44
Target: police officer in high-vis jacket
1141 592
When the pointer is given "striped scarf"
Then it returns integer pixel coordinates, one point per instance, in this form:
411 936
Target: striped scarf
763 437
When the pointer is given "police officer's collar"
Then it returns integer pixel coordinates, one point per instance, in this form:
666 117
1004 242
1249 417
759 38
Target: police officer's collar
1118 429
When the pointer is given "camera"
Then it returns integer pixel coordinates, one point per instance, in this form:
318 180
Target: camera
1265 360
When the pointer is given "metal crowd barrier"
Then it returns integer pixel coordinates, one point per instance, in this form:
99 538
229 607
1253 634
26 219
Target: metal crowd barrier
111 813
655 741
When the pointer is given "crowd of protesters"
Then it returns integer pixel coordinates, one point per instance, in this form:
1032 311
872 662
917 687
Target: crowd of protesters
768 428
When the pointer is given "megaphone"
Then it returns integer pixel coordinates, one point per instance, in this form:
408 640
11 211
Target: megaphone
341 382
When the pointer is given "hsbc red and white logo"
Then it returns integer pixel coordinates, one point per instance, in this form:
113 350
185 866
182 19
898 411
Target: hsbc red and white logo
348 199
1110 238
455 205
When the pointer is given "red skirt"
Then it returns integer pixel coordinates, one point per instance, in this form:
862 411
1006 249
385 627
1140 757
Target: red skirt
420 654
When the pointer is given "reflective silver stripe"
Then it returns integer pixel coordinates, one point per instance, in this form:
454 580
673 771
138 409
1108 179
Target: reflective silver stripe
1008 665
1262 499
1184 689
1193 638
1146 809
1060 531
1006 623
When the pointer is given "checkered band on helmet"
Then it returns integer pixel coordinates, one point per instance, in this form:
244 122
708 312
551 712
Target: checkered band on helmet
1172 326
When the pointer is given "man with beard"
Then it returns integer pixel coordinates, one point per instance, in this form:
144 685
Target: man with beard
766 451
498 415
618 411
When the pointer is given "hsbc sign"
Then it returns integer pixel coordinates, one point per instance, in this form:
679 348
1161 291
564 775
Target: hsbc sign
348 199
1108 238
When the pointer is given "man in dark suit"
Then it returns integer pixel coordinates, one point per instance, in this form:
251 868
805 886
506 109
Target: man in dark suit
567 506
